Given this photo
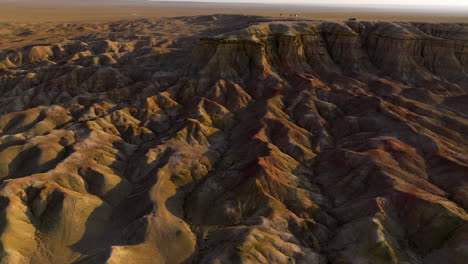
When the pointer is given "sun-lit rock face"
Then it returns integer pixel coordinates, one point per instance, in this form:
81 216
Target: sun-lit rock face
239 140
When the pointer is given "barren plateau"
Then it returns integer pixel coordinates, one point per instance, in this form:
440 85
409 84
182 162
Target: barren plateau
234 139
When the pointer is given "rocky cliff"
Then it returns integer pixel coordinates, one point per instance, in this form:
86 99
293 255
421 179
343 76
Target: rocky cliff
249 140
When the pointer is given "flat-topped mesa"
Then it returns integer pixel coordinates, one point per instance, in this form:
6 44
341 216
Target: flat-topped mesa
405 52
245 55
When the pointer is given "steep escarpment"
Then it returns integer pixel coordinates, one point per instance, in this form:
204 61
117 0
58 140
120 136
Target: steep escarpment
252 141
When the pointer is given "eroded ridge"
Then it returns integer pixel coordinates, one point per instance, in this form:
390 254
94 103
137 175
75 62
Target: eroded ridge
249 140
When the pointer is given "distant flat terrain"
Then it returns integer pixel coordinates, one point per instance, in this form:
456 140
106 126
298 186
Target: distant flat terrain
94 11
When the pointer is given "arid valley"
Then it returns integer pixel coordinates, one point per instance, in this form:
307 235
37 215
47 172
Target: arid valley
157 133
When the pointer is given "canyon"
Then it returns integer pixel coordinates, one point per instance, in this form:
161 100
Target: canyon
234 139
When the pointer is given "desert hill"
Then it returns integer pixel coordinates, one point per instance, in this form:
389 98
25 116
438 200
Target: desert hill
234 139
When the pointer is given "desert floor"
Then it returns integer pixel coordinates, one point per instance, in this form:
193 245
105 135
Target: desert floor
29 11
29 22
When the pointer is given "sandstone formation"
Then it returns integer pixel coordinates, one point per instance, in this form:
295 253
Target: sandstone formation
236 139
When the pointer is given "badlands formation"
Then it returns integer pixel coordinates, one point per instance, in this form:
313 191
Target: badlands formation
234 139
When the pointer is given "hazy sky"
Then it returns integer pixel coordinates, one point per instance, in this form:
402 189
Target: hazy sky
423 3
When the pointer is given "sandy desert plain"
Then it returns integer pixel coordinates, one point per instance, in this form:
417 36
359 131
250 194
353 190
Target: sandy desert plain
24 11
158 132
